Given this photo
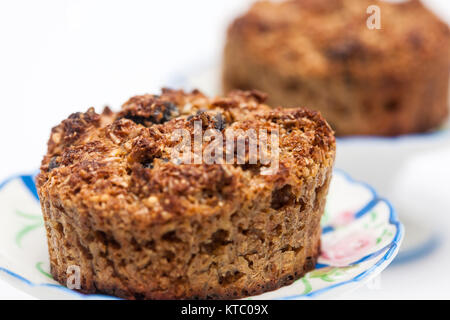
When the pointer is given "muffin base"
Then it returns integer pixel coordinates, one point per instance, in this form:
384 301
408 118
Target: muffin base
232 255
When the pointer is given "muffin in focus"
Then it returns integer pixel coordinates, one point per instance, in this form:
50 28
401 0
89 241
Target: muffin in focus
321 54
140 224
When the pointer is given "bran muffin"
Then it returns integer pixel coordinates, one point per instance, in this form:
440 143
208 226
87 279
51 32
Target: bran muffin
321 54
141 225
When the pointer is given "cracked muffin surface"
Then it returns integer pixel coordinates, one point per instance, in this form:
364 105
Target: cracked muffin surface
140 224
321 54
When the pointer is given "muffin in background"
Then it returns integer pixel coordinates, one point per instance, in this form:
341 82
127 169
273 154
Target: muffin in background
321 54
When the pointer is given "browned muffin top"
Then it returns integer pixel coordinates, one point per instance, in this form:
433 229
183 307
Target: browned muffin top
121 163
323 37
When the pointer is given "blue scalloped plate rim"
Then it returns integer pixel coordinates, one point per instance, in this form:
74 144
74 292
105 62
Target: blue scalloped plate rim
28 181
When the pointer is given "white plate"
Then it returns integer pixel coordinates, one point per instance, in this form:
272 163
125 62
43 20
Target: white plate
361 236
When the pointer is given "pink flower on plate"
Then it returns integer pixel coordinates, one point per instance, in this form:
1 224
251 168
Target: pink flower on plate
342 219
348 249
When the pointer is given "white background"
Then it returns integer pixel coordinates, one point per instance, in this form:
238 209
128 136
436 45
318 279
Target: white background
59 57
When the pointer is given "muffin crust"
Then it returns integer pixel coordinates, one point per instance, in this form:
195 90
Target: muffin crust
141 226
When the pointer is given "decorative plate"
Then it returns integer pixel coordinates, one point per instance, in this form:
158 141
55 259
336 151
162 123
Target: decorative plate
361 236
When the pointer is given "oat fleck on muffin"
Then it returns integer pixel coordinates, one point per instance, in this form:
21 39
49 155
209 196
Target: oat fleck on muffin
321 54
140 225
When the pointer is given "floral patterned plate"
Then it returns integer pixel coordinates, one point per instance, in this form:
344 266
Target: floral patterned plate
361 236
